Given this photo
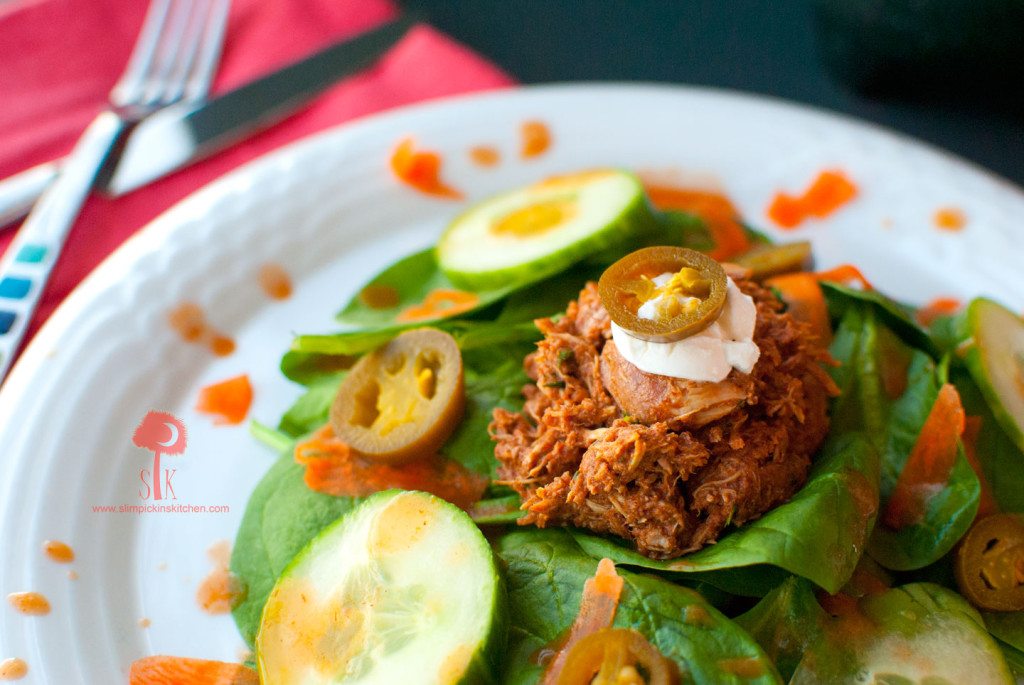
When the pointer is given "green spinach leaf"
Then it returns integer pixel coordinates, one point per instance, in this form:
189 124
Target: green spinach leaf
786 623
898 316
281 517
545 571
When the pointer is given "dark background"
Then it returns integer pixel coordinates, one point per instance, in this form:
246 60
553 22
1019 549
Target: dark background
774 47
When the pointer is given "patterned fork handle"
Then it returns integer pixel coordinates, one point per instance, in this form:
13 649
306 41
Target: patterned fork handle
26 267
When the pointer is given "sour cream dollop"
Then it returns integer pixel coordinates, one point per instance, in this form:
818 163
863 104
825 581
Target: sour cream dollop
727 344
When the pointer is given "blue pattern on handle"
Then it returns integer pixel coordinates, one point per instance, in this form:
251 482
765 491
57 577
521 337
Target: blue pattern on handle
6 321
31 254
14 288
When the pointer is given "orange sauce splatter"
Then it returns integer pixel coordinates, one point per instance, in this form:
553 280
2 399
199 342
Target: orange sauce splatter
29 603
189 321
441 302
485 155
72 575
716 209
275 281
848 275
13 669
696 615
380 296
221 591
950 219
59 551
421 170
536 139
145 623
827 193
227 401
940 306
744 667
333 468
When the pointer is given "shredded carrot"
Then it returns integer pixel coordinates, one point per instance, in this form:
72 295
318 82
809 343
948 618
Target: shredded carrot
536 139
929 463
986 500
421 170
848 275
804 302
597 611
440 302
940 306
177 670
333 468
228 401
718 212
829 191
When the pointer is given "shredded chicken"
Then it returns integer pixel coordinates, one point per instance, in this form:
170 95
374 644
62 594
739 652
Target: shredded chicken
664 462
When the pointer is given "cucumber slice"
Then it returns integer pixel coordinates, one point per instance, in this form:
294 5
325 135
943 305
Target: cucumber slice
537 231
402 589
996 362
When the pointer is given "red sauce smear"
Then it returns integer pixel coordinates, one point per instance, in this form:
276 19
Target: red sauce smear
176 670
221 591
717 210
13 669
597 610
536 139
438 303
227 401
986 500
829 191
332 467
930 461
380 296
58 551
940 306
29 603
189 321
485 155
950 219
421 170
275 281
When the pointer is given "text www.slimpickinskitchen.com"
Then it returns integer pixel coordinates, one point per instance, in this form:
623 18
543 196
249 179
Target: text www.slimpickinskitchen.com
161 508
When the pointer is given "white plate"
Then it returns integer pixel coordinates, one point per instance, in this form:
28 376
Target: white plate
329 211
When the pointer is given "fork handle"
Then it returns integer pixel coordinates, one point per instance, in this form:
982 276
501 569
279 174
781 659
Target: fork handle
26 267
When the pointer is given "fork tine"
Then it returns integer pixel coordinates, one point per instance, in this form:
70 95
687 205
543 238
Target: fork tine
168 53
188 50
129 87
205 66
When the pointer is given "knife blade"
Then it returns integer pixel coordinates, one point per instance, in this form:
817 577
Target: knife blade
178 136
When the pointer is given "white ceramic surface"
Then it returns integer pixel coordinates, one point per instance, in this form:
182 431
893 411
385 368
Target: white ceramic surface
327 209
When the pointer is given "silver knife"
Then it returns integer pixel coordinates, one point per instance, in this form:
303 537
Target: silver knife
177 136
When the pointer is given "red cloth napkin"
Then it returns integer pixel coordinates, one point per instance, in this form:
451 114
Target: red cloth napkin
60 59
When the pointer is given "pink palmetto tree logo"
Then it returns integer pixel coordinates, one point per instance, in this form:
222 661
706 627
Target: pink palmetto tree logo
161 433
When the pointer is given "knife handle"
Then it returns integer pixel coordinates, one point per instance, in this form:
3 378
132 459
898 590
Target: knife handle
19 192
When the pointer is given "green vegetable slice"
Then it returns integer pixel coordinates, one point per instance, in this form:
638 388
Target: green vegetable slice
534 232
996 361
402 589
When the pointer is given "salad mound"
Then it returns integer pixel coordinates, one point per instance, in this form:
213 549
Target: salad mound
667 463
859 473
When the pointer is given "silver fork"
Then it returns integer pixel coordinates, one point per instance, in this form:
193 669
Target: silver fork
174 60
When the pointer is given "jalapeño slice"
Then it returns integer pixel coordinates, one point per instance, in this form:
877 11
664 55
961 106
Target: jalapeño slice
663 294
989 564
